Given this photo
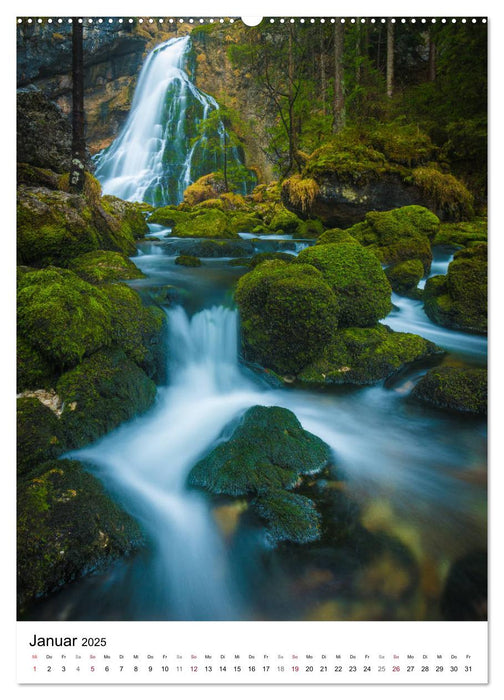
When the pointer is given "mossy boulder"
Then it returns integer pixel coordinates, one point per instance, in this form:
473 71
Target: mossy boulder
207 223
336 235
404 278
99 266
451 198
288 312
288 516
188 261
284 221
104 390
259 258
458 299
268 450
311 228
67 527
399 234
244 222
211 249
169 216
33 370
54 226
454 388
357 280
207 187
61 316
462 233
366 355
39 435
137 329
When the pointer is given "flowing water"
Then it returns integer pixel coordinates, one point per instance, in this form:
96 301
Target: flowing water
161 150
417 475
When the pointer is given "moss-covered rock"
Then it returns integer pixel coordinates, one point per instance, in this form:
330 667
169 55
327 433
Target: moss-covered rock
284 221
462 233
288 516
336 235
63 317
366 355
405 276
458 299
259 258
104 390
104 266
207 187
289 312
137 329
399 234
299 193
67 527
207 223
454 388
450 197
357 279
169 216
34 371
212 249
188 261
54 226
39 435
268 450
311 228
244 222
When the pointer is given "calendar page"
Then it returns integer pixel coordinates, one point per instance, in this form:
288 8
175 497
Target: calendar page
251 349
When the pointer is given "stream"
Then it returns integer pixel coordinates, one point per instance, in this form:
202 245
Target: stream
418 474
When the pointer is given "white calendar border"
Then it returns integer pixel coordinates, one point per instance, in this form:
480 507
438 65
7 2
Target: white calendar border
220 8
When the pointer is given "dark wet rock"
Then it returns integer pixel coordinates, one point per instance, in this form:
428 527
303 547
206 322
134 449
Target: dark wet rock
454 388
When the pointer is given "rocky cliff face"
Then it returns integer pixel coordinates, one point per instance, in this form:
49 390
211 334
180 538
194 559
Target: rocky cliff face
113 59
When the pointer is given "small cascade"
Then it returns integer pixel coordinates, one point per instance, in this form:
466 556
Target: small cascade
160 150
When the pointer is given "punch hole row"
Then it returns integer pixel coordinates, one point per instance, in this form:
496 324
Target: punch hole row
272 20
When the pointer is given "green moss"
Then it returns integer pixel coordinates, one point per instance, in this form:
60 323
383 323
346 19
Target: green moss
402 143
244 222
104 266
169 216
462 233
311 228
188 261
288 314
450 196
399 234
137 329
300 192
284 221
268 450
206 223
34 371
336 235
38 434
67 527
350 162
259 258
63 317
360 286
458 300
207 187
106 389
454 388
405 276
366 355
36 177
288 516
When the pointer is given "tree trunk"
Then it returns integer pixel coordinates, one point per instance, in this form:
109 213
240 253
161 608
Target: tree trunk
390 59
323 85
339 99
432 60
78 139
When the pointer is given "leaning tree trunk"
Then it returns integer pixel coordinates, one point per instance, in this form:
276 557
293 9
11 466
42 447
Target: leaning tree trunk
339 99
78 140
390 59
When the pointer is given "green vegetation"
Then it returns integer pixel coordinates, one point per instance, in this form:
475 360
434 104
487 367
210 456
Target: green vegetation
404 278
79 529
459 299
357 280
39 435
100 393
288 516
366 355
188 261
288 314
99 266
61 316
454 388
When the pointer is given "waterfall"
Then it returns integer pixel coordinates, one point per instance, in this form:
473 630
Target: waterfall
160 150
146 464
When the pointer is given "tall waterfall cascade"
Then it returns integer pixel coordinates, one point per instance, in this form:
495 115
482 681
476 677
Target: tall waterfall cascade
161 150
